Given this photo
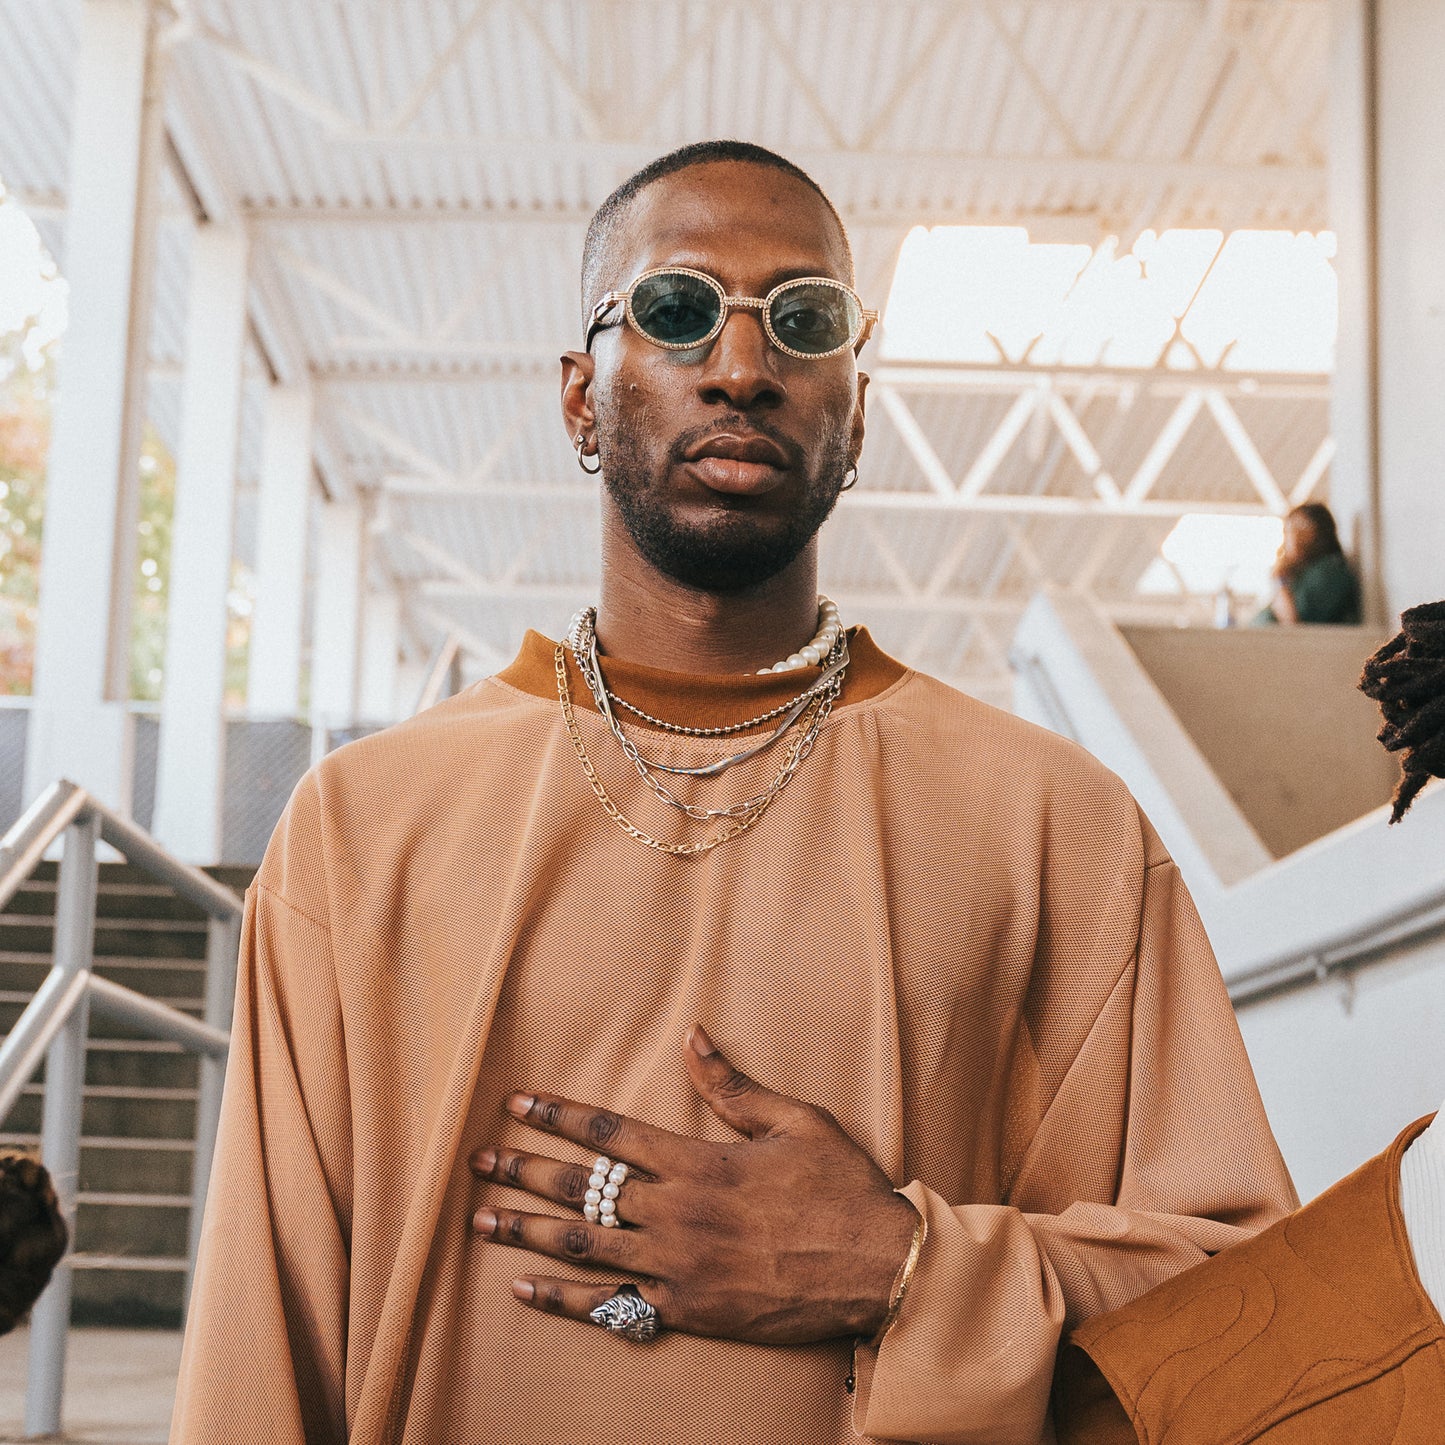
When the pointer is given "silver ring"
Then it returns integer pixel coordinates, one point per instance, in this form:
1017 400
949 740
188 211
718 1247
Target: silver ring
628 1314
604 1184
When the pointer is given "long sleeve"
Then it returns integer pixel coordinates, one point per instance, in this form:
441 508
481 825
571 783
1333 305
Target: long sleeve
265 1347
1152 1153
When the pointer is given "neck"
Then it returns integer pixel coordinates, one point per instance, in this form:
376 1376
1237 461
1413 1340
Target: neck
644 616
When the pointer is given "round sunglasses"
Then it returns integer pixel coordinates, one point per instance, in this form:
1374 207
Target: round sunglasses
674 307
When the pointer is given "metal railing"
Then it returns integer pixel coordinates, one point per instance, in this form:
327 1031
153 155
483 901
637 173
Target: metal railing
54 1026
1375 938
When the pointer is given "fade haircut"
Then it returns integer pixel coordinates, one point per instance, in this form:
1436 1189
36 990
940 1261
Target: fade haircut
606 225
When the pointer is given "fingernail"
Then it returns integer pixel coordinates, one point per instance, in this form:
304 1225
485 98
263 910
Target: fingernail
484 1161
486 1222
524 1289
521 1104
702 1046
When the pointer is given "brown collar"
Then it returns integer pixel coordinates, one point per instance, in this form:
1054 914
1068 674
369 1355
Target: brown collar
700 700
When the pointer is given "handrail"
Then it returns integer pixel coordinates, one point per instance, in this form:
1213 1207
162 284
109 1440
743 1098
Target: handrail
23 1050
1377 934
54 1025
125 1006
24 845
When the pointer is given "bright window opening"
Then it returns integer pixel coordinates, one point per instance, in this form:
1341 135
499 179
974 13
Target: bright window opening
1249 301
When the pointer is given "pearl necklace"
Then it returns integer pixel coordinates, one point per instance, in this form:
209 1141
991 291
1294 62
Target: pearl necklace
829 629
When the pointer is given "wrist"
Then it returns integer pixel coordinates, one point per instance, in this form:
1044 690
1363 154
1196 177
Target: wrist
899 1241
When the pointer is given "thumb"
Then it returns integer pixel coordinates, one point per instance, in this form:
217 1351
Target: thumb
738 1100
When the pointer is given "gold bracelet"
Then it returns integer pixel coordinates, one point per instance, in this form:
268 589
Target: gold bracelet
900 1285
895 1303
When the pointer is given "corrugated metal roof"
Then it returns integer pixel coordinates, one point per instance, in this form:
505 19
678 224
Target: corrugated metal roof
417 179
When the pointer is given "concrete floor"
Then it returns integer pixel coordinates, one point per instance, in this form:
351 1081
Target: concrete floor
119 1388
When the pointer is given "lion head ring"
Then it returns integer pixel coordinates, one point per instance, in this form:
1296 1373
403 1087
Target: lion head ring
626 1313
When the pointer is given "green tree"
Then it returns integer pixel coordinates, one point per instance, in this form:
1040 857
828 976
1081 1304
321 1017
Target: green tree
24 443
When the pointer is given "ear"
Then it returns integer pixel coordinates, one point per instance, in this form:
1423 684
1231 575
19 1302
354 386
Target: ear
856 438
577 369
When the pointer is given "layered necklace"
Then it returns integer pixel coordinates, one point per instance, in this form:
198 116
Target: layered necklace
798 722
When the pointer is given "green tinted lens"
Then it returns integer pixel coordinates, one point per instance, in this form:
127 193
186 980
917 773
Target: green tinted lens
675 308
815 318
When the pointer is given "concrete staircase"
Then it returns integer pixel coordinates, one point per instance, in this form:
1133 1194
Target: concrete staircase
138 1120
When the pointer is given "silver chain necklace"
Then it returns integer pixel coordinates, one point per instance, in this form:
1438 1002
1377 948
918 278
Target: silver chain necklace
814 706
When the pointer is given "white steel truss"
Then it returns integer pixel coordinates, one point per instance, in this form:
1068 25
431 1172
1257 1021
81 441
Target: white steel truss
1219 128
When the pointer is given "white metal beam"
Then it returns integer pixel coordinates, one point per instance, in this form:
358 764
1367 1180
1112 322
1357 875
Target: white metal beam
80 726
273 677
1162 450
914 438
865 498
990 456
1314 471
336 628
1243 447
191 759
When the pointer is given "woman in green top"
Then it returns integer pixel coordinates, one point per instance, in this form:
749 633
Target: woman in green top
1316 580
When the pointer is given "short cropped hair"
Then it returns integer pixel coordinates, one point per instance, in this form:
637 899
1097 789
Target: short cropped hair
606 224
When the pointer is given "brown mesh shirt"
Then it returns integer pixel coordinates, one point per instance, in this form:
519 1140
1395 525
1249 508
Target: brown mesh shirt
954 930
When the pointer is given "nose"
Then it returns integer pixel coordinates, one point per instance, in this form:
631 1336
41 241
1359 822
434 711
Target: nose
740 368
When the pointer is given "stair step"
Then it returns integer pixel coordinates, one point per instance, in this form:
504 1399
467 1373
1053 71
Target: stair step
171 1264
112 1117
139 1101
122 1091
20 1140
119 1199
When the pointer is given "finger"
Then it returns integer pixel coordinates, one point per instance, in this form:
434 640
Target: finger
738 1100
563 1183
568 1297
574 1240
601 1130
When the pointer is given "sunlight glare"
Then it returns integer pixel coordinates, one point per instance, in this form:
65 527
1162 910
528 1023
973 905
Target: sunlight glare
1266 300
1209 551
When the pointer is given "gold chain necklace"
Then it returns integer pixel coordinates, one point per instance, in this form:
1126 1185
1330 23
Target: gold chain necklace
801 746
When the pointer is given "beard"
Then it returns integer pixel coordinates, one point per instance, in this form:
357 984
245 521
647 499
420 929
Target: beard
735 548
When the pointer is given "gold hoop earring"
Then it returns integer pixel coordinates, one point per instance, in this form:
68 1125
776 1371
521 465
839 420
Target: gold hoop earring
853 473
580 441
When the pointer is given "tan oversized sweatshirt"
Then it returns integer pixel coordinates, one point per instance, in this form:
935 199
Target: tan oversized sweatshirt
953 930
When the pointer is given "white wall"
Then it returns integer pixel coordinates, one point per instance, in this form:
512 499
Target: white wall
1339 1085
1344 1068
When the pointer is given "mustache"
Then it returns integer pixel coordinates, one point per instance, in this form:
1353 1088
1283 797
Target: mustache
735 424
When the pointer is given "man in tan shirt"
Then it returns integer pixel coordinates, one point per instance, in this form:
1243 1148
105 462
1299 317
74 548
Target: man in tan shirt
975 1075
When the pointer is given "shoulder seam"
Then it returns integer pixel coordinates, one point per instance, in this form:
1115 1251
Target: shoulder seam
290 907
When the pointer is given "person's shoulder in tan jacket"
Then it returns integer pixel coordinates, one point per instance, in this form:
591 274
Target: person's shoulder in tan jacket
1316 1332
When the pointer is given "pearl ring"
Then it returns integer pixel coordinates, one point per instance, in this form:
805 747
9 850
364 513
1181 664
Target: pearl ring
599 1204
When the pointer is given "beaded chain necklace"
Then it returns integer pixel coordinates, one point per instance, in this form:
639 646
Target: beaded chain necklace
805 713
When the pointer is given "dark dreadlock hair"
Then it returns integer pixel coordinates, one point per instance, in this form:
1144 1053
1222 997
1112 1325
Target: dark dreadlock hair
607 222
33 1235
1407 678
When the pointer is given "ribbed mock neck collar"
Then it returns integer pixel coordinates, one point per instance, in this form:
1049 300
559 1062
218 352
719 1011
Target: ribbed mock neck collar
700 699
1422 1202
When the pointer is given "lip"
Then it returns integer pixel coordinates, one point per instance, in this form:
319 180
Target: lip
733 447
740 464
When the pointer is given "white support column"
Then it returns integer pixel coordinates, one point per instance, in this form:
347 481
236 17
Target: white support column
380 643
1410 284
337 619
192 737
273 678
1353 490
79 722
